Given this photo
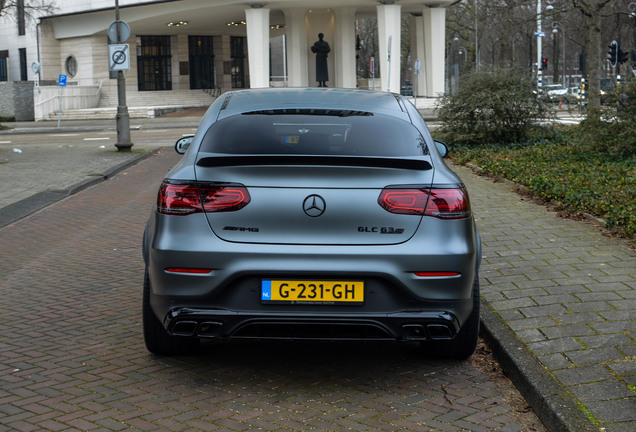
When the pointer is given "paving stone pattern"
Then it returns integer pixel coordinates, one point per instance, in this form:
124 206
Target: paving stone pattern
567 292
46 165
72 355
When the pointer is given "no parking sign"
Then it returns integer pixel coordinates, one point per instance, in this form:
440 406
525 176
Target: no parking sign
118 57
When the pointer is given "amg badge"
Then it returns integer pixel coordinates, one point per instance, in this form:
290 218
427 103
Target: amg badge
381 230
233 228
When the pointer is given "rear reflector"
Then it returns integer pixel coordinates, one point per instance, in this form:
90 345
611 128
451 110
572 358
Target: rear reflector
184 199
186 270
439 203
436 274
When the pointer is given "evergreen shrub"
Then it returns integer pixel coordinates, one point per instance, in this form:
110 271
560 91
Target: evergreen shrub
493 107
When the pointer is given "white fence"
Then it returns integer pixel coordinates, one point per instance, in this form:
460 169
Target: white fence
47 98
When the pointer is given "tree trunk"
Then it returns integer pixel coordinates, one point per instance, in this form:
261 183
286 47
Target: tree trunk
591 10
593 23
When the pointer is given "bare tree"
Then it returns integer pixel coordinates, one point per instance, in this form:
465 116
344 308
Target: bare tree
29 8
592 12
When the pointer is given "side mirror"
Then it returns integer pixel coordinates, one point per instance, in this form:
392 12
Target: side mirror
442 148
182 144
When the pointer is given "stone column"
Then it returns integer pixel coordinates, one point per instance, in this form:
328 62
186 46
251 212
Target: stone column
296 30
257 22
434 40
345 47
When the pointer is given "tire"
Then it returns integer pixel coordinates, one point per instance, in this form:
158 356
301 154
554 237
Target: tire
158 340
463 345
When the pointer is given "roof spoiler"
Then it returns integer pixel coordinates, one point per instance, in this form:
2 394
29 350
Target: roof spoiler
260 160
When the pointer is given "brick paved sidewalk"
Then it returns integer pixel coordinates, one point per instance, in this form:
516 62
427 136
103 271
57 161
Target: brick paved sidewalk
72 355
567 292
562 289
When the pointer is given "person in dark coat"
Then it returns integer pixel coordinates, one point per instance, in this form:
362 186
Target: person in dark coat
321 49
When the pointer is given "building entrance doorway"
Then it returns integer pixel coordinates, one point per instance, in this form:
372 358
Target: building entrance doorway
237 53
153 63
201 54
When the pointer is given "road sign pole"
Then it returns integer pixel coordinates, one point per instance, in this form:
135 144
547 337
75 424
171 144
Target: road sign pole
372 73
418 66
61 82
388 86
59 111
123 119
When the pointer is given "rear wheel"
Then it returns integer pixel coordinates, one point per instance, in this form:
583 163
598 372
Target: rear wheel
464 343
157 339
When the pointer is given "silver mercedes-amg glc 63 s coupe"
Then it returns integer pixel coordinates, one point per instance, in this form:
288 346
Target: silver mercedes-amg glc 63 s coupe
322 214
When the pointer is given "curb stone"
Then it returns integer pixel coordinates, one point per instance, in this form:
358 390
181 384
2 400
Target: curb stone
29 205
550 402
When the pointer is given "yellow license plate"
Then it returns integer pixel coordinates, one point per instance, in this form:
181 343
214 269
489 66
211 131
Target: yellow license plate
307 291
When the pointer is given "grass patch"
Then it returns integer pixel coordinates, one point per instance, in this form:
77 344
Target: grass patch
576 179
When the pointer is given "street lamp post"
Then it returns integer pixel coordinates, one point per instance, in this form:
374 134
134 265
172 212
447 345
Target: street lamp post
123 119
463 51
555 31
477 59
539 36
539 53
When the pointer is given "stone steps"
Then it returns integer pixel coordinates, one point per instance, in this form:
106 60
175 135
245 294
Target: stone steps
140 105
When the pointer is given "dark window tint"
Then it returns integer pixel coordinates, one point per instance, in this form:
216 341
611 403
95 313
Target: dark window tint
357 135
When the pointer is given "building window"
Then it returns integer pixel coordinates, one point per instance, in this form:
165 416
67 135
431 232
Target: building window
71 66
21 19
23 64
4 76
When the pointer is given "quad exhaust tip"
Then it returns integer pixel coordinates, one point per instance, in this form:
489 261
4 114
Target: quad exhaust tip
206 329
420 332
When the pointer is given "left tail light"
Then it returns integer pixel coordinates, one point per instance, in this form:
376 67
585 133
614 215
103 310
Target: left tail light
188 198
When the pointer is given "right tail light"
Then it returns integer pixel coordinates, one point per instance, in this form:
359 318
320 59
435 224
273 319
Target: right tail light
436 202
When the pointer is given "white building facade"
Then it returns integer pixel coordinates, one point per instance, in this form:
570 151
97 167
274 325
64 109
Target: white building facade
222 44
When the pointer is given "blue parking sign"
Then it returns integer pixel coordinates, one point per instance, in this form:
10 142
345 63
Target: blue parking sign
61 81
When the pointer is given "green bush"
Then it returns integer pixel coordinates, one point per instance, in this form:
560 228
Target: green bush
613 131
580 180
491 107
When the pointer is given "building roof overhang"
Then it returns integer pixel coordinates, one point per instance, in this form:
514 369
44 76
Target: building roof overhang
205 17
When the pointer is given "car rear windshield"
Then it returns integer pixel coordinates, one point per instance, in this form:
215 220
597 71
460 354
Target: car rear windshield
350 134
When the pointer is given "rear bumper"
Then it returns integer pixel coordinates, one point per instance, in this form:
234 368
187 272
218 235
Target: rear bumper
227 324
226 303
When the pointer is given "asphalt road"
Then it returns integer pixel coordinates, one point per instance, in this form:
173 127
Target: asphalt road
59 160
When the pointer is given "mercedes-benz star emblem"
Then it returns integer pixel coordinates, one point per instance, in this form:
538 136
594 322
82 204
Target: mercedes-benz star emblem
314 205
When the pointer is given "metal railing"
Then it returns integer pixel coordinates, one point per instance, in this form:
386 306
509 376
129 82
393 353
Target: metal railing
47 98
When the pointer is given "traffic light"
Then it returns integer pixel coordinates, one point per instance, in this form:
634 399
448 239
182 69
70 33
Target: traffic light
612 54
623 56
544 63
